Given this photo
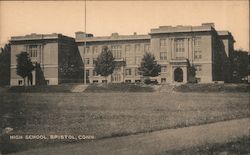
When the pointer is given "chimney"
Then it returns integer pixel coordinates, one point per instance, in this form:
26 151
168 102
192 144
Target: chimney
208 24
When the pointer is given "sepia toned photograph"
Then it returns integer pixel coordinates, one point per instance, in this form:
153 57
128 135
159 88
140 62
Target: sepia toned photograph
97 77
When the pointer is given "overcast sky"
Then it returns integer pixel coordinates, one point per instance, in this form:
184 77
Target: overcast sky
124 17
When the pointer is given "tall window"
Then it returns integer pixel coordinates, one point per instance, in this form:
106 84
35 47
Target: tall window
147 48
127 50
117 51
95 49
179 45
87 61
94 73
163 43
33 50
163 55
116 77
137 48
128 72
163 69
197 55
197 48
198 69
137 60
87 49
136 71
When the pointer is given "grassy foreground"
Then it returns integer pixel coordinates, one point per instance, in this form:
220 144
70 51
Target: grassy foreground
115 114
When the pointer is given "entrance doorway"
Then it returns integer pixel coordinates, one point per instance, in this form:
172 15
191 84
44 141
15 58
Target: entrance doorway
178 75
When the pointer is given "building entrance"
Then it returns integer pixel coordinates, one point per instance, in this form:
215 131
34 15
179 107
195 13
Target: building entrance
178 75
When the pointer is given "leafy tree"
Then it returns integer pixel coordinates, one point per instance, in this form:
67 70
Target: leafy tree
149 66
105 63
5 65
24 65
239 65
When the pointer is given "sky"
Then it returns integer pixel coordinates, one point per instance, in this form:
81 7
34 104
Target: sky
124 17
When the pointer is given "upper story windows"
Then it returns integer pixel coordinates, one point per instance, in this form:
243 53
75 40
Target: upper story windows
137 48
179 45
197 49
33 50
95 49
117 51
163 43
163 55
146 47
127 50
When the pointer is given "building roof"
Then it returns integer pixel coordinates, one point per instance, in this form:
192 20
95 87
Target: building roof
180 28
34 36
113 37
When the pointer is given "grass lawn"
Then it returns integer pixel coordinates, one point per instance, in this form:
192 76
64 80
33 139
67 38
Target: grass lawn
240 146
116 114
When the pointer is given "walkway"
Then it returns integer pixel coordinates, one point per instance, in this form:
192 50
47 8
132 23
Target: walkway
155 142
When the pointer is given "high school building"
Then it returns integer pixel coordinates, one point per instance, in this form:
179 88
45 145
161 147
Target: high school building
53 56
176 49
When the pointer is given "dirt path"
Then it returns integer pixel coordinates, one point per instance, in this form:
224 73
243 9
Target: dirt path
155 142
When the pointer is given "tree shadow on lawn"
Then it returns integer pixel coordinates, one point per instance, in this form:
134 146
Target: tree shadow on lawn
15 115
238 146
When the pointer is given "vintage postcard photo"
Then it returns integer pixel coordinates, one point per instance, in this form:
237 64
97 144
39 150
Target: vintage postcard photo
124 77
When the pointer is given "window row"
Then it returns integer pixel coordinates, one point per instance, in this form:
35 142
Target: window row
118 48
33 50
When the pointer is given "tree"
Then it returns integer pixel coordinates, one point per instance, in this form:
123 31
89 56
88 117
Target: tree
105 63
24 65
149 66
239 65
5 65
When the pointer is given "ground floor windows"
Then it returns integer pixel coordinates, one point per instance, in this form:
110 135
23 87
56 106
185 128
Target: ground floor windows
163 80
116 78
163 69
128 72
127 81
20 82
95 81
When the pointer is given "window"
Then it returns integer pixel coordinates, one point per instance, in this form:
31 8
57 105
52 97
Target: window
87 49
95 81
146 48
87 61
117 51
94 73
117 69
127 50
197 55
47 82
163 55
137 48
198 68
104 81
20 82
179 45
137 60
137 72
163 80
33 50
94 60
116 77
163 69
128 81
197 48
95 49
197 42
128 72
163 43
137 81
129 60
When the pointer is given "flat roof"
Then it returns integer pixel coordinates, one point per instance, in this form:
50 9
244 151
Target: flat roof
35 36
112 38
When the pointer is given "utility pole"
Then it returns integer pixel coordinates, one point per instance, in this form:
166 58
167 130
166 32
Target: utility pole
85 43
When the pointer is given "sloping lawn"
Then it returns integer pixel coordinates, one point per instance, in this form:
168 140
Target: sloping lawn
115 114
